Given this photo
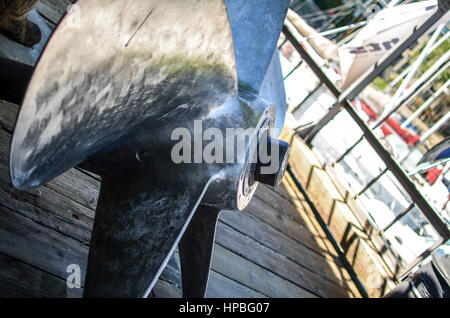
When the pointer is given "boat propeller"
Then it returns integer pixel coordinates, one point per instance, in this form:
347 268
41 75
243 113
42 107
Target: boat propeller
156 97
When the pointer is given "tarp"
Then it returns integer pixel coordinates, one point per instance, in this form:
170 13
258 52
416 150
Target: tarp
324 47
380 36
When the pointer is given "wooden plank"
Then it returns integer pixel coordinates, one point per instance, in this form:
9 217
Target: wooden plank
308 216
75 184
282 191
45 218
219 286
44 205
307 231
254 276
53 10
226 276
171 272
47 208
368 265
292 250
301 233
41 247
18 280
314 224
8 115
276 263
78 186
277 202
300 208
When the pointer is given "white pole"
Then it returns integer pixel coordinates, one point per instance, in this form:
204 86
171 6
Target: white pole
337 30
415 66
437 44
444 58
436 126
430 72
425 105
411 96
426 84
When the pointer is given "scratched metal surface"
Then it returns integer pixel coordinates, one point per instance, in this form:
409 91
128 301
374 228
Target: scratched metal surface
140 218
196 248
128 61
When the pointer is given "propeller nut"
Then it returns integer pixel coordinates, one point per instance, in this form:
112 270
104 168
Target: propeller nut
272 160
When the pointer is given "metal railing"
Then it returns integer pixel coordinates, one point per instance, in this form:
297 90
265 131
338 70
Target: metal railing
343 102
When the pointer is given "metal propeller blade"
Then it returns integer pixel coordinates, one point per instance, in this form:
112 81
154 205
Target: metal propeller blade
256 27
107 94
196 249
127 63
141 215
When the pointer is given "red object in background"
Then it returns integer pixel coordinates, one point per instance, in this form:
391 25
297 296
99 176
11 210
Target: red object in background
367 109
385 129
409 137
432 175
287 50
373 116
336 70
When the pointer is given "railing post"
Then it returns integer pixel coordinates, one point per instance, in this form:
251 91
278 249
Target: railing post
348 151
307 97
398 217
293 70
371 182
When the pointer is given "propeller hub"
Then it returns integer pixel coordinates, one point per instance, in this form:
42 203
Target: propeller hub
273 157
